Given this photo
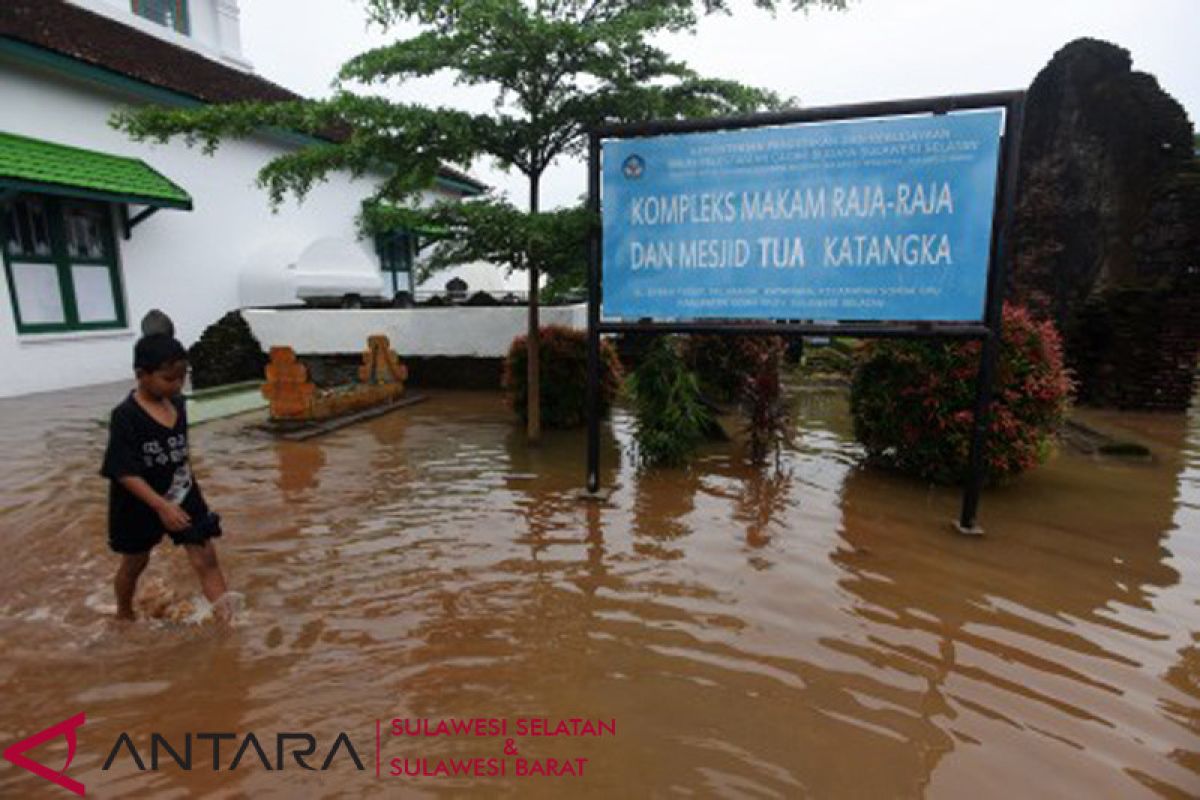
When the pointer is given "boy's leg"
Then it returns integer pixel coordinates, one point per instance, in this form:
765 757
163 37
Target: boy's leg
204 561
132 565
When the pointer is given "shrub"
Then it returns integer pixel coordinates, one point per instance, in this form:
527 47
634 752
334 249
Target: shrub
481 299
562 363
227 352
724 362
833 361
671 419
912 402
768 418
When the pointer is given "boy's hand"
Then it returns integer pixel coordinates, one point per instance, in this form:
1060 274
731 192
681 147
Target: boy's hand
173 517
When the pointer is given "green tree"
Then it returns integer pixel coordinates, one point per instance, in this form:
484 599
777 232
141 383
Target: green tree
558 68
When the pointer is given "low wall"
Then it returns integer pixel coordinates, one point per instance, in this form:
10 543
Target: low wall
432 372
458 348
472 332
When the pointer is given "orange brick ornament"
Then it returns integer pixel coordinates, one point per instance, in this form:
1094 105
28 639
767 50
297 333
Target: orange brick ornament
294 397
381 364
288 388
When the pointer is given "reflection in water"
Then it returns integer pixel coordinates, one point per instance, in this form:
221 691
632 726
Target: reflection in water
812 632
664 501
761 506
300 465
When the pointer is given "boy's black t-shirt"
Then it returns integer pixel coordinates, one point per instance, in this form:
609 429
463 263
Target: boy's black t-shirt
140 445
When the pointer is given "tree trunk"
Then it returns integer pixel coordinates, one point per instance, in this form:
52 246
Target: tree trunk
533 340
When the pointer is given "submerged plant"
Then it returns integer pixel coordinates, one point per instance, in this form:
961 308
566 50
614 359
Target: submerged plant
913 400
768 417
562 360
671 418
724 362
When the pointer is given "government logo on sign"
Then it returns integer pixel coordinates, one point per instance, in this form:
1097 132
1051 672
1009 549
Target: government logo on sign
634 167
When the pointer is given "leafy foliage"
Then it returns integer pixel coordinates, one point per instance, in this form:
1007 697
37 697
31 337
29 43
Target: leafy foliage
563 361
912 402
557 69
835 360
491 229
725 362
403 145
768 416
671 418
745 369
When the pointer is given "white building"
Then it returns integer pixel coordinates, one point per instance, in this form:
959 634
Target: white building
97 229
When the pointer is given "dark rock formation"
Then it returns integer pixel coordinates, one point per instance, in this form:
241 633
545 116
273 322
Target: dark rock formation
1106 241
481 299
227 352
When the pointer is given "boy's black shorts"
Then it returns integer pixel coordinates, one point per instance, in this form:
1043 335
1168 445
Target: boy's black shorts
134 540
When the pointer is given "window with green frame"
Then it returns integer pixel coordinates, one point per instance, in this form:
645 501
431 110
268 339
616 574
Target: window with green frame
171 13
396 259
60 263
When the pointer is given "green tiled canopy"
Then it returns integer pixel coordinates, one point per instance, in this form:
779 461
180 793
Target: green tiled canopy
33 165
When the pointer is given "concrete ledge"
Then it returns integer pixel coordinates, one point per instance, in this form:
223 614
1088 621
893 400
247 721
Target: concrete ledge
228 403
74 336
222 389
308 430
462 331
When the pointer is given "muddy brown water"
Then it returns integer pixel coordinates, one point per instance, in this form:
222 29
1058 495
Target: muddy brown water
818 634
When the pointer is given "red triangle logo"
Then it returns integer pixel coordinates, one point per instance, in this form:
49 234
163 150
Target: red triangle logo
65 728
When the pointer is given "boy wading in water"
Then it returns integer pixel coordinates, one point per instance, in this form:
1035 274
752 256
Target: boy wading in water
152 490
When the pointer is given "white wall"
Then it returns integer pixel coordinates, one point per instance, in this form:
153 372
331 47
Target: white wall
185 263
213 27
483 332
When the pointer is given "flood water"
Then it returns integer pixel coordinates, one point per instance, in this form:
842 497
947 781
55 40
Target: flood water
816 633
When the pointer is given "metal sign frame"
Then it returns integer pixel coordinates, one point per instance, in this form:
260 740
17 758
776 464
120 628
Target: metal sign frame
988 331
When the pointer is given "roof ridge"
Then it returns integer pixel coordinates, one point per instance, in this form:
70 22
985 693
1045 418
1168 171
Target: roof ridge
30 164
96 39
75 148
103 43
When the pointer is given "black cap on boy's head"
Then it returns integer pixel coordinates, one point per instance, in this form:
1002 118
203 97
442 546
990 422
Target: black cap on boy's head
157 350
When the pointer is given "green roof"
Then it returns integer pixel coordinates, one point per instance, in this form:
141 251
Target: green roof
33 165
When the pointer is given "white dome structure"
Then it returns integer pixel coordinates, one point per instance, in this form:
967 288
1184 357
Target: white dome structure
333 267
266 277
281 273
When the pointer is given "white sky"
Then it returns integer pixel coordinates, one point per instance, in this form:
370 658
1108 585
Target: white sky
877 50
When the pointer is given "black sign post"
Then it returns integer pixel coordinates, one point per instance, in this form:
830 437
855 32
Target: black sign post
989 331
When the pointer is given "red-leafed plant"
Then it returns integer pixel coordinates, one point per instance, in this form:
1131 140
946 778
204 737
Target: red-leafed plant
765 407
724 362
562 362
912 402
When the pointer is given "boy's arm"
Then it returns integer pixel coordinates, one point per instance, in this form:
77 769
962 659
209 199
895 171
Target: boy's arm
172 516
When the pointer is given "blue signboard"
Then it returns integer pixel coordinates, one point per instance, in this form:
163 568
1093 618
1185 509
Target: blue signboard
880 219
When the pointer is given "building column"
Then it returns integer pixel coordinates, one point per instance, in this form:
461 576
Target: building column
229 33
